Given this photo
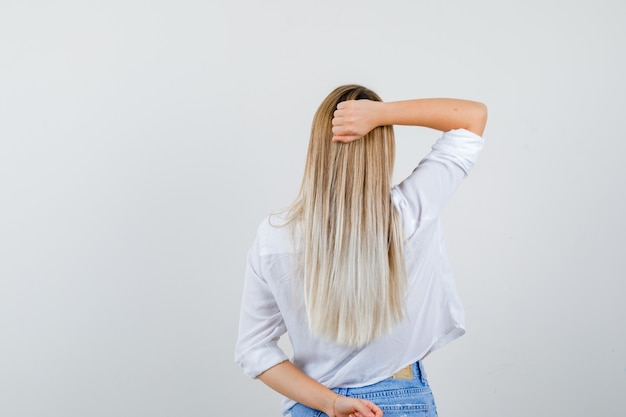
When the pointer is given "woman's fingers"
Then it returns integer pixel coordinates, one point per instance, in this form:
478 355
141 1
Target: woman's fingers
343 127
353 119
339 115
353 407
368 409
344 134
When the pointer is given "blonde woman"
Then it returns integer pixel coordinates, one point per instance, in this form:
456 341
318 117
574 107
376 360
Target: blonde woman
355 271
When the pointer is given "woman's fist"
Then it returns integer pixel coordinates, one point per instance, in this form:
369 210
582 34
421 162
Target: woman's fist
354 119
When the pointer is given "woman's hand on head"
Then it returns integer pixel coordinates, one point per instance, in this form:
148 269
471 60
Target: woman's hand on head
354 119
355 407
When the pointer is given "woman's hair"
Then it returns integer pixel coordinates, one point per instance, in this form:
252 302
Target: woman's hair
347 230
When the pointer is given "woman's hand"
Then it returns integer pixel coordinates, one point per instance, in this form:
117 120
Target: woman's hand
354 407
354 119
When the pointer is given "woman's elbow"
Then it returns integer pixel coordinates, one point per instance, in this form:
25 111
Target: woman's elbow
478 119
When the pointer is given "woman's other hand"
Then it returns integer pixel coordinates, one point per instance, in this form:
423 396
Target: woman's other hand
354 119
355 407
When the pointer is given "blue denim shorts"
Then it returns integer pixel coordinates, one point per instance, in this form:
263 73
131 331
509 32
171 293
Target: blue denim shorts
396 397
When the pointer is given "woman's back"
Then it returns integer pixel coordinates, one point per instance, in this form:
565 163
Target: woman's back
433 312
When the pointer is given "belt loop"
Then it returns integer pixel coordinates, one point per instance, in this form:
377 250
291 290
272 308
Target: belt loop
420 370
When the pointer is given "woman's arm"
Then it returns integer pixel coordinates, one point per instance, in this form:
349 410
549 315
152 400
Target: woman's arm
288 380
353 119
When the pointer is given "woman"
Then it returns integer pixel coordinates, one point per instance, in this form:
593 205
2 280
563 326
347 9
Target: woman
355 271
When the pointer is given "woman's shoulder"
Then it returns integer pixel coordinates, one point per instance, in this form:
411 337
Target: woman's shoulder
273 234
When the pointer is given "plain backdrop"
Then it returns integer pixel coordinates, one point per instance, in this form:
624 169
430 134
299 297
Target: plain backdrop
141 143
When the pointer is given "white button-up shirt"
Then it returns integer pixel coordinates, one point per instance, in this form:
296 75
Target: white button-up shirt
273 298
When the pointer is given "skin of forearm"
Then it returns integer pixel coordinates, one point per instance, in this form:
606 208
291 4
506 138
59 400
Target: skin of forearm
291 382
437 113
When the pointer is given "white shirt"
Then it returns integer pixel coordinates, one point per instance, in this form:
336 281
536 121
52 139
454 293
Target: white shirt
273 300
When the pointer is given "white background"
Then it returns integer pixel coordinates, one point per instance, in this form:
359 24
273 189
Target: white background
141 142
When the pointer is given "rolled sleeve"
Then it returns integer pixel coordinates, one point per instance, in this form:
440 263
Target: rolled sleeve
261 358
460 147
260 324
423 194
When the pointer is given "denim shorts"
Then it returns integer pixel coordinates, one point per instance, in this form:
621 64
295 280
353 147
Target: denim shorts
396 397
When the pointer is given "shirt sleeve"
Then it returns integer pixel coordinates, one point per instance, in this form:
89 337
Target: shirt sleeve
424 193
260 323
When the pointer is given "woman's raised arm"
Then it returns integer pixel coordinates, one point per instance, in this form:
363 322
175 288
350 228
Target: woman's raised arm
353 119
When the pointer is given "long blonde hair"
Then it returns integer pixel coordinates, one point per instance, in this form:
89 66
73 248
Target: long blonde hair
348 231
